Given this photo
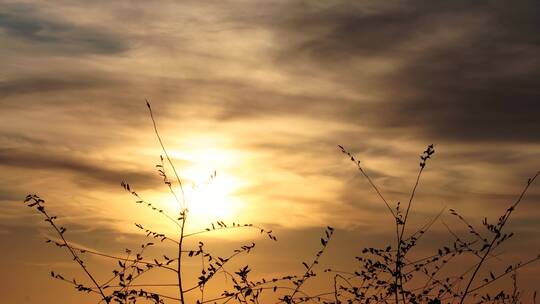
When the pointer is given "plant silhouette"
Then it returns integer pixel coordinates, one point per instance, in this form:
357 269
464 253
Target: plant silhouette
383 275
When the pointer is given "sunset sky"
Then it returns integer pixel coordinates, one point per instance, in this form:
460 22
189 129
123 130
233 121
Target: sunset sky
262 92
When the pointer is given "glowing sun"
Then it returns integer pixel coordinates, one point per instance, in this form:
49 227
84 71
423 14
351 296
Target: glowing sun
213 199
210 190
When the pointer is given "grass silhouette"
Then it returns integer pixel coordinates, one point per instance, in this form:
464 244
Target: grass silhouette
384 275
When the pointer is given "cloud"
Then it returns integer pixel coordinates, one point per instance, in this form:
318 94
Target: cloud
29 24
40 85
239 101
85 171
456 71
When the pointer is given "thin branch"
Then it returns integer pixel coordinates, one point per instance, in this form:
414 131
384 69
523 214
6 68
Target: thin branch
496 237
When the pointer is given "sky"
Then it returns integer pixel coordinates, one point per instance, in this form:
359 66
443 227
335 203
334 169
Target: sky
262 92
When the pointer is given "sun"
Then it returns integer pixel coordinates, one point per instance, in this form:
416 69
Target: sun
213 199
209 184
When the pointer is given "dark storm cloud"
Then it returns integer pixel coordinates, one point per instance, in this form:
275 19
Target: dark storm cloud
24 22
85 171
463 70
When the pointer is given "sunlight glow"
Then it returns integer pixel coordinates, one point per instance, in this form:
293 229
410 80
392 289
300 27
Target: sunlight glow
209 187
213 199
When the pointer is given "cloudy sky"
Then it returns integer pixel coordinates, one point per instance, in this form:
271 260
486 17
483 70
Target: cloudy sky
262 92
